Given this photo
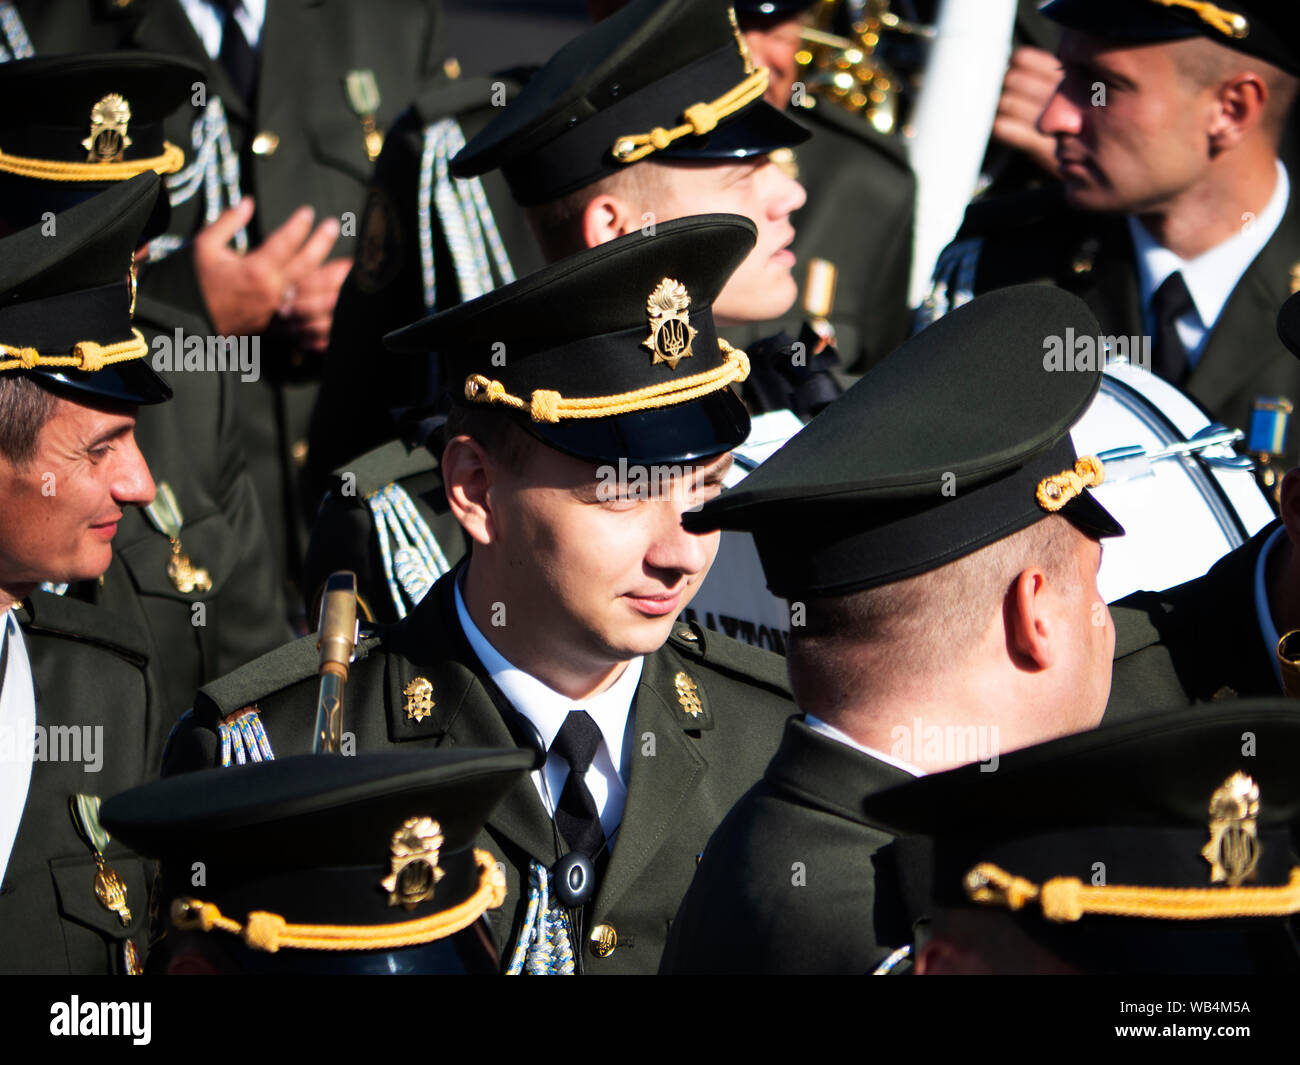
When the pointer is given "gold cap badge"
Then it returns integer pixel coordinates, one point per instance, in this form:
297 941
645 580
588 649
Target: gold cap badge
413 870
419 699
688 695
1233 850
108 139
671 333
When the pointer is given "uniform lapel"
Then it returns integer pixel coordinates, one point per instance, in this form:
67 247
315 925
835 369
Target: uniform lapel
468 709
165 28
662 778
1230 361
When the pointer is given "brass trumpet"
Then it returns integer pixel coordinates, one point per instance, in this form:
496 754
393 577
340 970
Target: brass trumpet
1288 658
851 71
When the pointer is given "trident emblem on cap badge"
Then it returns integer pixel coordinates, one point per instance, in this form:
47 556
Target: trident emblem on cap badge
671 333
1233 850
108 140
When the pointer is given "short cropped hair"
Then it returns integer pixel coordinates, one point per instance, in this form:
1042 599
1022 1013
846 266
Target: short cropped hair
494 431
558 224
879 638
1204 64
25 407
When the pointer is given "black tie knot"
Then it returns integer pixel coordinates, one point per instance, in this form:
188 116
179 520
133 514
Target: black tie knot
1170 302
578 741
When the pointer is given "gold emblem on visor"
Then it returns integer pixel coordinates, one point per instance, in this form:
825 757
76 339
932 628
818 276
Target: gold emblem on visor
671 333
108 140
413 871
1233 850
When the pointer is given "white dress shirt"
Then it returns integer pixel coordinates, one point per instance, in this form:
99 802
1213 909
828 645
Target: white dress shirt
1212 276
17 735
209 21
818 725
547 710
1266 627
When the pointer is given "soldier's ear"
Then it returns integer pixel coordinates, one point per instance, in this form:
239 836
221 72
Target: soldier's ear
467 477
1031 626
606 217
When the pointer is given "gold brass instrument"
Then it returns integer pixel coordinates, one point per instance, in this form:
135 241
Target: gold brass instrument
851 71
337 640
1288 658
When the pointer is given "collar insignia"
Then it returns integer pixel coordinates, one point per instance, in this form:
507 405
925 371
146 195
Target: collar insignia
419 699
688 695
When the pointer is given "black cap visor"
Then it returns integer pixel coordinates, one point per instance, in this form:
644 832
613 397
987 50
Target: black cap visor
133 382
701 429
757 130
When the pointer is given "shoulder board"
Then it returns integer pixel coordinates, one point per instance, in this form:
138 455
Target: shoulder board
815 113
272 672
1016 211
453 97
387 463
726 655
66 616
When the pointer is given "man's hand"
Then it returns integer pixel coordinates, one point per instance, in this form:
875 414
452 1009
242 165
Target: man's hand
1032 78
244 291
308 308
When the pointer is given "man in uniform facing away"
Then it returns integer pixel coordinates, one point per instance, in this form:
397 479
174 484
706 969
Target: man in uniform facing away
935 537
569 464
1175 219
77 712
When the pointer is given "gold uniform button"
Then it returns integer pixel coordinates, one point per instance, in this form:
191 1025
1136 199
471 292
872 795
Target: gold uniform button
299 452
265 143
603 940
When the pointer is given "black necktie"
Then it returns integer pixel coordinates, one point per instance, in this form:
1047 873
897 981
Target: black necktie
576 815
236 54
1170 302
6 638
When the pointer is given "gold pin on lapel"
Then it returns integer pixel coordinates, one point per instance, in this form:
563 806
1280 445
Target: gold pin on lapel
363 94
419 699
1233 850
1295 278
165 515
688 695
413 862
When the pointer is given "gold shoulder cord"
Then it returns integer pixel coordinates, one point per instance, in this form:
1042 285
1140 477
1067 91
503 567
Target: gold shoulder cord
1055 491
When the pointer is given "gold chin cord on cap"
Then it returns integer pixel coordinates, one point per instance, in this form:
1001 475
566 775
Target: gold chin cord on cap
1229 23
270 932
551 407
700 118
171 160
86 355
1055 491
1064 899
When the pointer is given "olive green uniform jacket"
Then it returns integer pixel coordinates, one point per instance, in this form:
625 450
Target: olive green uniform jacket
1037 237
688 764
1195 643
797 879
94 707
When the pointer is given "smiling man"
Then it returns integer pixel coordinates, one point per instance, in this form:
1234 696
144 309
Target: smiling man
569 465
77 712
1175 218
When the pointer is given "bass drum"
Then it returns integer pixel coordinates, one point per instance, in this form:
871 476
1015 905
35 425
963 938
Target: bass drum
1184 512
